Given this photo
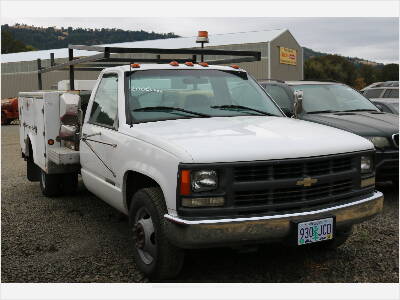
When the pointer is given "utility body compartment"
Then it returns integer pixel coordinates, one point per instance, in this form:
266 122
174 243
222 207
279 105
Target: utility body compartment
40 125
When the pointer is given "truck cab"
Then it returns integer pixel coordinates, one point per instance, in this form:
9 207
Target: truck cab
198 156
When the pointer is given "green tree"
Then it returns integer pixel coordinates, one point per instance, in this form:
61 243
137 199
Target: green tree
368 73
10 45
330 67
390 72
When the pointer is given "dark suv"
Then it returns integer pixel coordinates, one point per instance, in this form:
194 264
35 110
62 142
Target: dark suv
340 106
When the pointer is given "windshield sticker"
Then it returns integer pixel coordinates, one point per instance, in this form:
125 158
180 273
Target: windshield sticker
147 89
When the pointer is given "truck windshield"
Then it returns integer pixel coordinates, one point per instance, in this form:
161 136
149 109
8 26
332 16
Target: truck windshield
332 98
171 94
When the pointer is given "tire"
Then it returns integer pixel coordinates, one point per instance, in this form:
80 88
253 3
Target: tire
395 182
69 183
50 184
340 238
154 255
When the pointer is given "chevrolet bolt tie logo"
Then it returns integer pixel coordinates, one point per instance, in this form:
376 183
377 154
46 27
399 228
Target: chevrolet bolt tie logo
308 181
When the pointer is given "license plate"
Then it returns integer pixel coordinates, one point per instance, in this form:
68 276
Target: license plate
314 231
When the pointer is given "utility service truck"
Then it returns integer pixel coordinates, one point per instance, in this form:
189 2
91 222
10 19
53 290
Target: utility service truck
196 154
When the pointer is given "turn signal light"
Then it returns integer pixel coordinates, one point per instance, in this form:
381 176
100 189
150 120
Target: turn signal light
174 63
203 202
367 182
135 65
50 142
203 64
189 64
235 66
185 182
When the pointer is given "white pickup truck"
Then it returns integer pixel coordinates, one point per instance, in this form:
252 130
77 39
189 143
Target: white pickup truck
198 155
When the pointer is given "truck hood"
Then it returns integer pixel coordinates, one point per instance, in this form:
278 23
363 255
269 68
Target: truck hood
364 123
244 138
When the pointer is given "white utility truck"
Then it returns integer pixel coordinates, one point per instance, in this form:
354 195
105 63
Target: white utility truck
197 155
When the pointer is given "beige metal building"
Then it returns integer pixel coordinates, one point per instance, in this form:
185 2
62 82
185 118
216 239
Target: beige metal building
281 58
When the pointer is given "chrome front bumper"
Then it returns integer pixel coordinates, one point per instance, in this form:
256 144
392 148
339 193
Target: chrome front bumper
263 229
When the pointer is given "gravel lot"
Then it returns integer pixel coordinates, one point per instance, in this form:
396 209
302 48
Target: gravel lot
81 239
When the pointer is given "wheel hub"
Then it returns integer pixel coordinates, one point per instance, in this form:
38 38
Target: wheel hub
144 233
140 236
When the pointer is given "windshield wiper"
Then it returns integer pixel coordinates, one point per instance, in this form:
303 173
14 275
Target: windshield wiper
367 109
321 111
242 107
169 108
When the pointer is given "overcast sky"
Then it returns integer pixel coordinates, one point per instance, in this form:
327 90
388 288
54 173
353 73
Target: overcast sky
375 39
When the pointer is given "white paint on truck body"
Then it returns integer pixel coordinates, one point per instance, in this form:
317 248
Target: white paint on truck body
155 149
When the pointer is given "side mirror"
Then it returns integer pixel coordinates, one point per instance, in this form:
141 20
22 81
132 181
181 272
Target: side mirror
298 103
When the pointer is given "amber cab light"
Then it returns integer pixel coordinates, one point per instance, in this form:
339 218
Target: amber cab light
202 33
174 63
235 66
203 64
135 65
185 182
189 64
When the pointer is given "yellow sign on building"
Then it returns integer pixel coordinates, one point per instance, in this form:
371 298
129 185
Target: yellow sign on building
287 56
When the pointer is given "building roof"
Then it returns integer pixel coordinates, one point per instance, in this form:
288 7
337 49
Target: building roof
182 42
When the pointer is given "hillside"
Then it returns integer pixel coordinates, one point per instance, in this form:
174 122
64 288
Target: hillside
354 71
41 38
309 53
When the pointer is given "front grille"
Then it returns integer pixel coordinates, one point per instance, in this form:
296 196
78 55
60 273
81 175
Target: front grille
280 170
395 138
282 186
276 199
272 186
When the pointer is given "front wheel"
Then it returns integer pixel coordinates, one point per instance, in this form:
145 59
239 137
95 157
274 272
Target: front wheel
395 181
50 184
154 255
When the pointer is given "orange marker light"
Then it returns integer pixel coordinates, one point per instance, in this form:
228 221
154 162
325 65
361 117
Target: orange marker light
203 34
185 182
135 65
50 142
189 64
174 63
235 66
203 64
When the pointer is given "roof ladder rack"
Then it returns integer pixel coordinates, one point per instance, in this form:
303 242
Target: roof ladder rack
102 59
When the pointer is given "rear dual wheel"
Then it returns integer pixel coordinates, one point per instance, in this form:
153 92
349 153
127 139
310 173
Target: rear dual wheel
53 185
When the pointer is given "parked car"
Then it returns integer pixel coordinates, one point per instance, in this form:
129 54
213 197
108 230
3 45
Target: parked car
387 89
9 110
340 106
197 156
389 105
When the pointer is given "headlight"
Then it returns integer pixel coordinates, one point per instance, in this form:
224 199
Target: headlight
379 141
204 180
366 164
